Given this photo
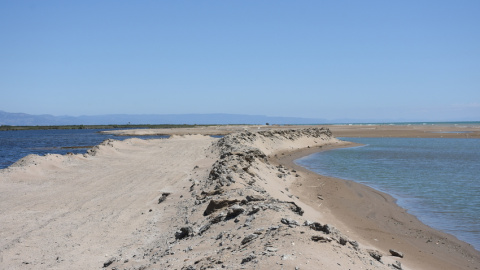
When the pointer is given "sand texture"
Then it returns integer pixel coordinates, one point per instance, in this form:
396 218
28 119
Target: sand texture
406 131
197 202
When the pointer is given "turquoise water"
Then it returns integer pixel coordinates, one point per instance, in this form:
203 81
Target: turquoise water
435 179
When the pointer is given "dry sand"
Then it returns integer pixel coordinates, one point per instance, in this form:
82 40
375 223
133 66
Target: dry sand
410 131
196 202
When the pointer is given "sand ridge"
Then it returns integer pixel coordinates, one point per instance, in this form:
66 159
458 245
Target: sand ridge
196 202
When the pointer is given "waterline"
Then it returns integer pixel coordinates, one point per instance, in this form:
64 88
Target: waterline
435 179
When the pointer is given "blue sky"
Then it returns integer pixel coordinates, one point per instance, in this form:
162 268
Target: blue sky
405 60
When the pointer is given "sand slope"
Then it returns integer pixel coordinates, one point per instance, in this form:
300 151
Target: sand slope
191 202
74 211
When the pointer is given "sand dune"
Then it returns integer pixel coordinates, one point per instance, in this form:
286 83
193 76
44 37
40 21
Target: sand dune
196 202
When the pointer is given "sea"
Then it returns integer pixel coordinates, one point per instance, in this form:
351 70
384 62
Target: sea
16 144
435 179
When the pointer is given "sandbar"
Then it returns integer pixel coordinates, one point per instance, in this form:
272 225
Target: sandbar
195 202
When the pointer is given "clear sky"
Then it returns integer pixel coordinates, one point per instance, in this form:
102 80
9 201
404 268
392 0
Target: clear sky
406 60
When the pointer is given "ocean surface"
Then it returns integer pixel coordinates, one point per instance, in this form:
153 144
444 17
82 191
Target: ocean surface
435 179
15 145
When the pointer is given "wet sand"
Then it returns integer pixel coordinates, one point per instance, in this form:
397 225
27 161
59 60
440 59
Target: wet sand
374 217
406 131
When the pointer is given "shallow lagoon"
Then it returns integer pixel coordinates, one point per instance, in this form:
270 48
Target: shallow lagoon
435 179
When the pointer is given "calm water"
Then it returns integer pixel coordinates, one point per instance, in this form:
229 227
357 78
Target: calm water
437 180
14 145
455 124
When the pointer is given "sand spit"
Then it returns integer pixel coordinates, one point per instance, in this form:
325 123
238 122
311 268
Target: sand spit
371 130
408 131
196 202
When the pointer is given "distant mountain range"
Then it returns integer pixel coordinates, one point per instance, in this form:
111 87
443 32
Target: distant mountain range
23 119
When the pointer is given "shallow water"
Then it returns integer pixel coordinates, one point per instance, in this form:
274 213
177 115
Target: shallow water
435 179
15 145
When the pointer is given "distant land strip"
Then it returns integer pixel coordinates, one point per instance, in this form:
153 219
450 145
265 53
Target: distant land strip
8 127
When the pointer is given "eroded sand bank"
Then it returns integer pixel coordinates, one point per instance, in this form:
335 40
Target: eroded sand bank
196 202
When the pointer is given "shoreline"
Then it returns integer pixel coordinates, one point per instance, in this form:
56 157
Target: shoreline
117 184
378 219
407 131
404 131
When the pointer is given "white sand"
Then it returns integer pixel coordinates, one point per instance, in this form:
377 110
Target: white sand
72 211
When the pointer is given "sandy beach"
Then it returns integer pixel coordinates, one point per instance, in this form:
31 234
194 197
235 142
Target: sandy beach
406 131
197 202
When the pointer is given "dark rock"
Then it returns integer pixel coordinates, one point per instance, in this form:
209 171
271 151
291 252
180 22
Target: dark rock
354 244
205 194
255 198
109 262
271 249
163 197
314 226
218 218
234 211
249 238
183 232
322 239
218 204
342 240
295 208
322 228
307 223
328 229
248 258
396 253
375 254
255 210
290 222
